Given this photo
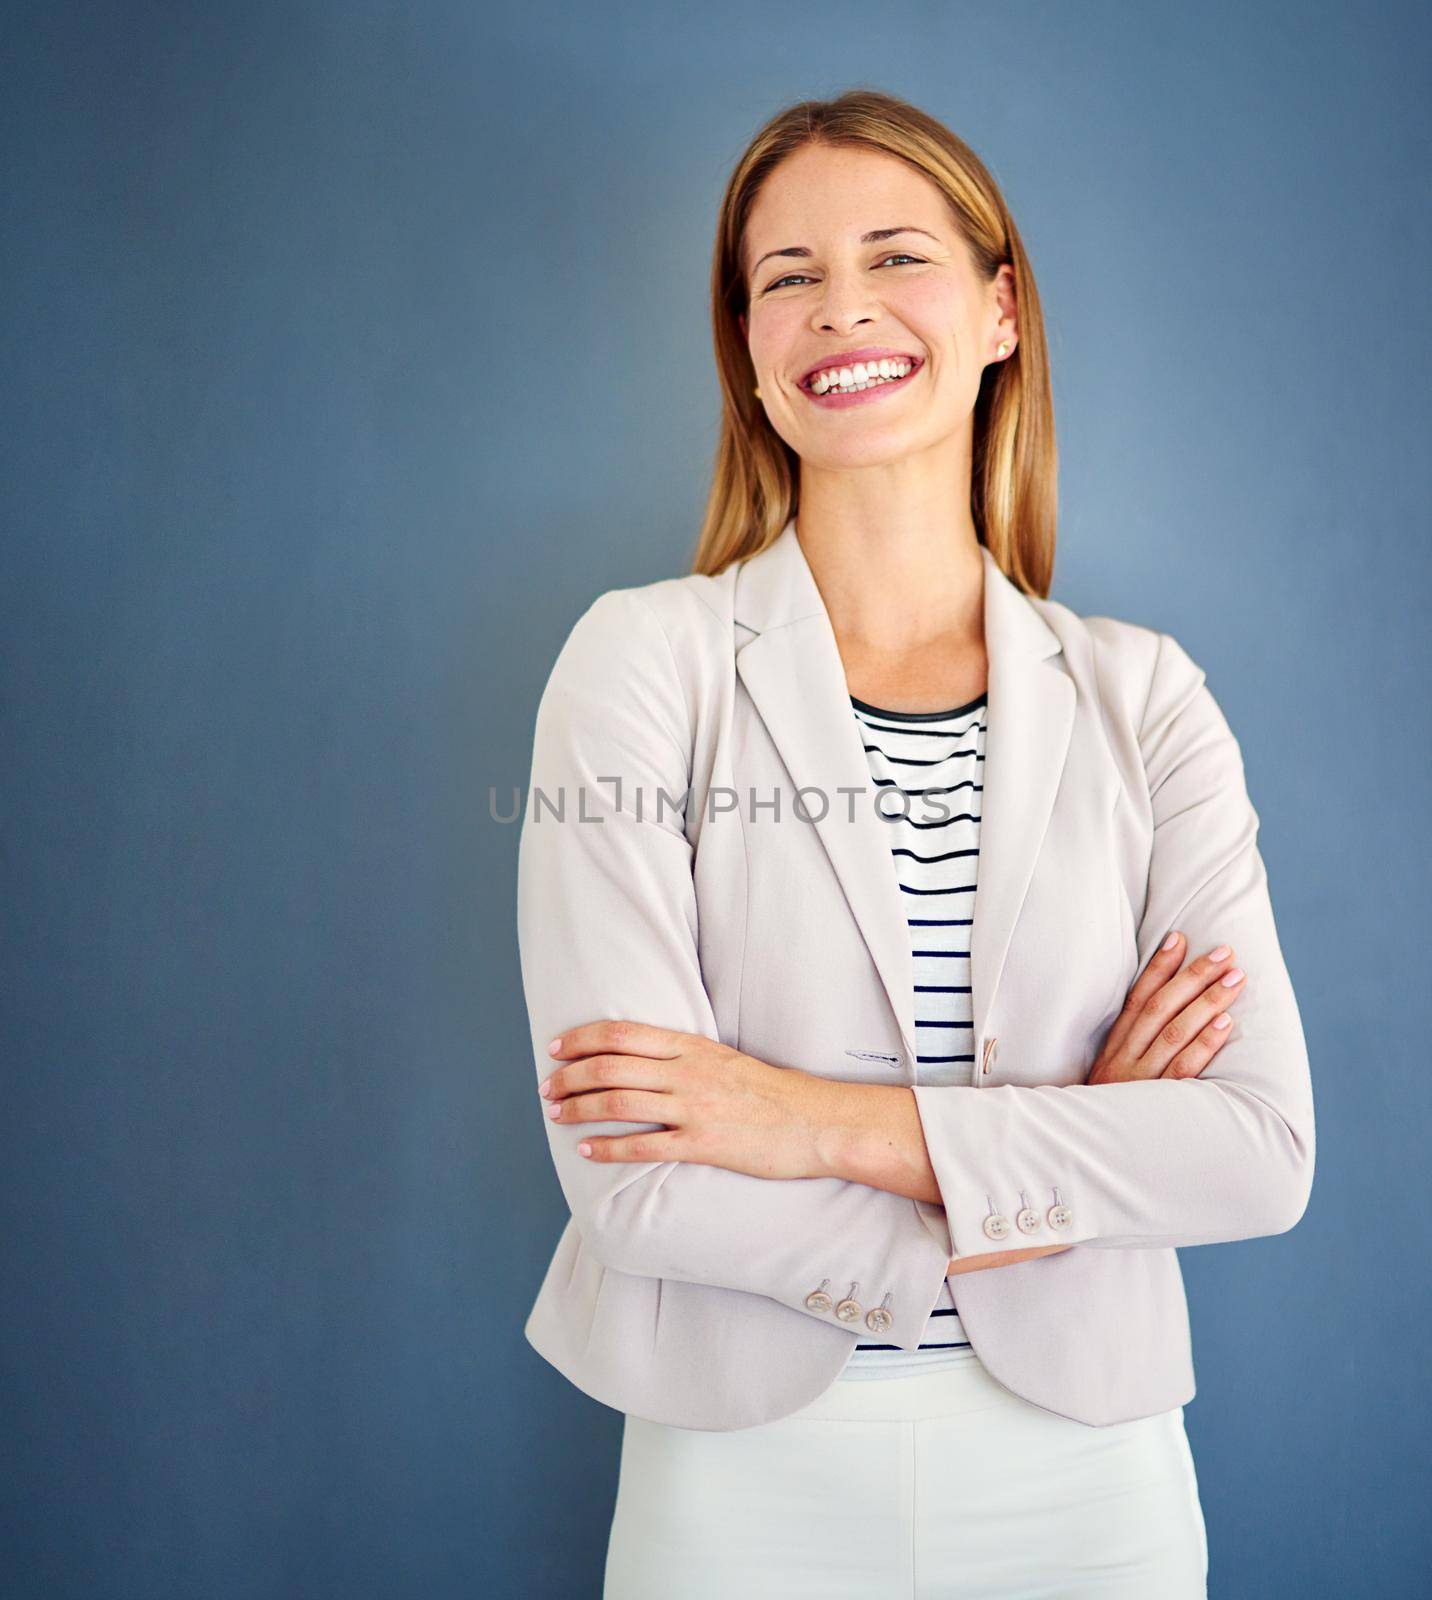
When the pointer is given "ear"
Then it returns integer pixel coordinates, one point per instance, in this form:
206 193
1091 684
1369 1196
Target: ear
1005 295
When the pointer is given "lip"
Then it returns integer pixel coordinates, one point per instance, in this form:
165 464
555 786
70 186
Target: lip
873 395
848 358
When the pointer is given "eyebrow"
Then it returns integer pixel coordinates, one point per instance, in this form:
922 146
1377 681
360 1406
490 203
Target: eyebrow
872 237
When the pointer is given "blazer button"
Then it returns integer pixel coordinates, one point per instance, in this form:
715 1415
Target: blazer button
818 1299
879 1320
1027 1220
850 1308
1060 1216
996 1226
991 1050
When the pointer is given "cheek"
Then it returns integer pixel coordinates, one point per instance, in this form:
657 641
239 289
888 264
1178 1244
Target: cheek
939 317
775 329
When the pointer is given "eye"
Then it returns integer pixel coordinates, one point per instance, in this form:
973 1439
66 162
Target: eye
792 277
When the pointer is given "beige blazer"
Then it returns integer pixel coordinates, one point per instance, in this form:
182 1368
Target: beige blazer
1114 809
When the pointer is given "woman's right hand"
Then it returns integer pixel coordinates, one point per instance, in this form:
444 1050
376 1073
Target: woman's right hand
1173 1023
1169 1028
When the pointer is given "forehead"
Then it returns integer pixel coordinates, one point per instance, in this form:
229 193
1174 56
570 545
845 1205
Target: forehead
826 195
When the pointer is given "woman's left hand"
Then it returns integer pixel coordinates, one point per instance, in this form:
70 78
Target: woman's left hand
719 1108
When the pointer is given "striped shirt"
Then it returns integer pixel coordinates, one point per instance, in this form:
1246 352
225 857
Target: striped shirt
935 760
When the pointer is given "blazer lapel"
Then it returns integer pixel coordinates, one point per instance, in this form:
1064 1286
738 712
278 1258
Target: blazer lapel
794 675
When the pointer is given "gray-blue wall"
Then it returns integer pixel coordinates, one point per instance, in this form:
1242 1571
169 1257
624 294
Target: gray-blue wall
349 351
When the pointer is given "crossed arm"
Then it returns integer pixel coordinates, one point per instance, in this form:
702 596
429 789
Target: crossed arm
606 926
736 1112
727 1109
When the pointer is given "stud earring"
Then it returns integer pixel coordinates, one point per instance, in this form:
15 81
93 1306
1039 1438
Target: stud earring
1003 348
757 391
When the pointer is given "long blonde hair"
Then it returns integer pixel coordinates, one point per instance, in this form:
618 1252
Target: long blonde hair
756 478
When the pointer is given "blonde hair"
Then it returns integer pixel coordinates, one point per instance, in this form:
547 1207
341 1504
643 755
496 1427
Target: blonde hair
756 478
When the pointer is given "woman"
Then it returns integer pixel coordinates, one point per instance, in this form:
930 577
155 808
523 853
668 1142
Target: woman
904 950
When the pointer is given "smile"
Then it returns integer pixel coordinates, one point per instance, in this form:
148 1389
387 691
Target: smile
838 387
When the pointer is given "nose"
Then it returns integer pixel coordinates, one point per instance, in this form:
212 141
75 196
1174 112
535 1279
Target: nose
846 303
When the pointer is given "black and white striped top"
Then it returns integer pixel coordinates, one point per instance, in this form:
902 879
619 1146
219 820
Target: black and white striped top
935 761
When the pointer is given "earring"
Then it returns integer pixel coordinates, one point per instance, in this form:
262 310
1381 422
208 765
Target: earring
757 391
1003 348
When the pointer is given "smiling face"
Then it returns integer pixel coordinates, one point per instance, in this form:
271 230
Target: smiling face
849 250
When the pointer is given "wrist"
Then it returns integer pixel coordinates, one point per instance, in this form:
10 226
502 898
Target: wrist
861 1134
834 1122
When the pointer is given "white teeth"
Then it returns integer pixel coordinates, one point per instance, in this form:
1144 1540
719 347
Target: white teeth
860 375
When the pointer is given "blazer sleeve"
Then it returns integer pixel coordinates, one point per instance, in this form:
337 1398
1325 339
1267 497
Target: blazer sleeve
607 928
1222 1156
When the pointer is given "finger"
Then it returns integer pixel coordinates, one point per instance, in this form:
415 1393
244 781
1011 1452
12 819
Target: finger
1207 1009
608 1072
1163 1007
614 1105
659 1146
1155 1032
1162 965
1180 1031
618 1037
1206 1044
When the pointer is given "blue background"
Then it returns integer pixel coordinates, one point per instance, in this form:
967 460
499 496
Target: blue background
350 350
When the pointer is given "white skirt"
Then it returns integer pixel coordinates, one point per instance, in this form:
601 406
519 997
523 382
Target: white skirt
938 1486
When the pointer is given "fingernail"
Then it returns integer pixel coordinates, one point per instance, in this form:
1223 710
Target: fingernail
1218 954
1232 976
545 1087
1222 1020
1171 941
555 1109
585 1148
556 1044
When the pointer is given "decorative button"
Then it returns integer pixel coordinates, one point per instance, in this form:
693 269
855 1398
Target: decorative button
850 1308
1060 1216
996 1225
879 1320
818 1299
1027 1220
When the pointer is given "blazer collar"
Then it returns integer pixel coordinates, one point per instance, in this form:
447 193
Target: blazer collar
794 675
